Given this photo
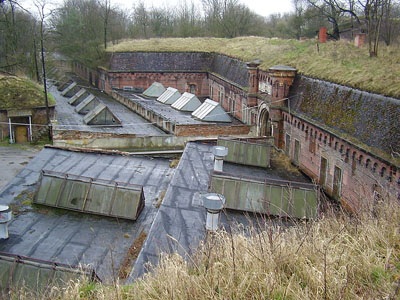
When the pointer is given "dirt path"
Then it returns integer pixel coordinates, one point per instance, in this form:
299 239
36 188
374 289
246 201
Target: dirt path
12 160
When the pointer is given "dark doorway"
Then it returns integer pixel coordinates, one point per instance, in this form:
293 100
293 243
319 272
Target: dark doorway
322 171
337 183
296 154
265 124
287 144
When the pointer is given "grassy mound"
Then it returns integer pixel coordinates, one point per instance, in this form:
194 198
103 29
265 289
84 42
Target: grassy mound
21 93
336 257
338 62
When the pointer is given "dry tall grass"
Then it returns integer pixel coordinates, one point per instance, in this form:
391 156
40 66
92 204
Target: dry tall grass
338 62
336 257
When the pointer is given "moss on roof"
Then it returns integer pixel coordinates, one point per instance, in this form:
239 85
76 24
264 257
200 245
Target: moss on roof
21 93
339 62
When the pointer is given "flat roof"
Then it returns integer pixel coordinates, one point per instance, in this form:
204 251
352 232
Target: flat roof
180 222
71 238
167 112
69 119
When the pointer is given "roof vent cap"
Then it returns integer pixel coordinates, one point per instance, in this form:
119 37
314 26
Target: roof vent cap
220 151
213 202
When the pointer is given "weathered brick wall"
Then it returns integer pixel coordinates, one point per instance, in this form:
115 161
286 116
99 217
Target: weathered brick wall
232 98
364 174
373 119
3 125
211 130
180 81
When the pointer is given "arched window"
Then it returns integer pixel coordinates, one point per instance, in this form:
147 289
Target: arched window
325 139
375 166
341 149
336 144
302 127
360 159
383 171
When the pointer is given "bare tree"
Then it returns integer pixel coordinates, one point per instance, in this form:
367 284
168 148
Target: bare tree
43 14
227 17
330 10
106 10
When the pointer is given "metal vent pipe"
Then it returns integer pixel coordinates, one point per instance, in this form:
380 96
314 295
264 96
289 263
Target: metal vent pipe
5 218
220 152
213 203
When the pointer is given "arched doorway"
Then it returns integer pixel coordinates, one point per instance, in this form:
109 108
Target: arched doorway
264 123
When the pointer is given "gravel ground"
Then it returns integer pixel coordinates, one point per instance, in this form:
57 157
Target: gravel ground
12 160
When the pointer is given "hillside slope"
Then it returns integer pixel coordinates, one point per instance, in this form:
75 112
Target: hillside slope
338 62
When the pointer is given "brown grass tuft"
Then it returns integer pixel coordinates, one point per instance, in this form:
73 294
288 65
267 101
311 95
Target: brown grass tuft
336 257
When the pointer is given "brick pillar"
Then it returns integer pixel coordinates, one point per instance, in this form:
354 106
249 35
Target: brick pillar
282 78
359 40
252 68
322 35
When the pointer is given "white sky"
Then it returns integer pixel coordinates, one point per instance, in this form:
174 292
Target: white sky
261 7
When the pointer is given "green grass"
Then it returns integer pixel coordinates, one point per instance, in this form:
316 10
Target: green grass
338 62
21 93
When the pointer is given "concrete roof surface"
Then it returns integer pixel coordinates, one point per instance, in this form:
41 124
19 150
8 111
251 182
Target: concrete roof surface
70 120
67 237
167 112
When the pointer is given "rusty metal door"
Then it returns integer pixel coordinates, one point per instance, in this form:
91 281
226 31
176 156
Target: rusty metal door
21 135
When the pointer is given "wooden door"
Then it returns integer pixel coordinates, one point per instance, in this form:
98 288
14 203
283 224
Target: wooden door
21 134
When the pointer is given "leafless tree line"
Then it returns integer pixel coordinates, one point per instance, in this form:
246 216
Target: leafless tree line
84 28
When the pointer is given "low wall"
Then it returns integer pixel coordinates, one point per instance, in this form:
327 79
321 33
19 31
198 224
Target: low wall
101 140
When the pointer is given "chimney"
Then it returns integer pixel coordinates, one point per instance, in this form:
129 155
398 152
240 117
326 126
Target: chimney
359 40
213 203
5 218
322 35
252 69
219 154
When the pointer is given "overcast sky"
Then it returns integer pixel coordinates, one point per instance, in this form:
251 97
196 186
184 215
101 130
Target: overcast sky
262 7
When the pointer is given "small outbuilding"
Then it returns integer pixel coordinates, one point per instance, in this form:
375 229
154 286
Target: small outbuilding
22 109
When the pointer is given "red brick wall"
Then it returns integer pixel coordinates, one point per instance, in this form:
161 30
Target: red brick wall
211 130
180 81
234 98
363 174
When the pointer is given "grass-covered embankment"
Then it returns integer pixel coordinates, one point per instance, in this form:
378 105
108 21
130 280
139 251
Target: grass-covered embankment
21 93
336 257
338 62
